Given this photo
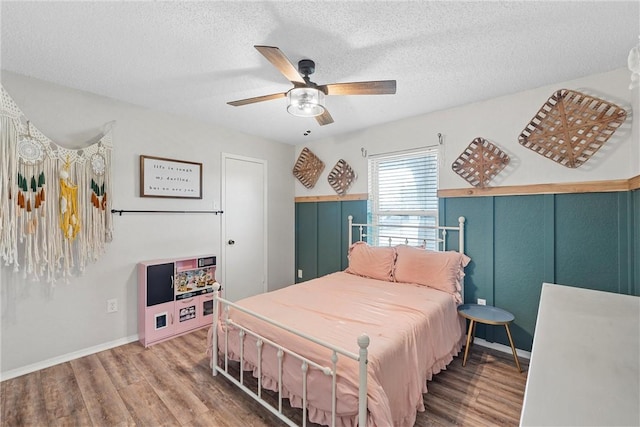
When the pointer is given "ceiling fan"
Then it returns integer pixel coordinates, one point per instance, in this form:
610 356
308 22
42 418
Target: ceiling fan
306 98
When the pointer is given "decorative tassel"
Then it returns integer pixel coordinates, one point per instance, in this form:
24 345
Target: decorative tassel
29 205
32 225
22 183
104 202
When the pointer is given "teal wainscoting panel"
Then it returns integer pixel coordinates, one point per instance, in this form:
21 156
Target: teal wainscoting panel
357 209
588 240
306 241
322 235
329 238
625 243
587 249
478 281
478 213
549 230
519 257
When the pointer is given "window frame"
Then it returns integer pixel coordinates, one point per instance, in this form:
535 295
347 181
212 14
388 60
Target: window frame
428 216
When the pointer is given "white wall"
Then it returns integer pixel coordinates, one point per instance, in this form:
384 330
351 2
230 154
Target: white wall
39 327
499 120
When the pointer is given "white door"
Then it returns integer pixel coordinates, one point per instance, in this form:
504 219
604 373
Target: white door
244 226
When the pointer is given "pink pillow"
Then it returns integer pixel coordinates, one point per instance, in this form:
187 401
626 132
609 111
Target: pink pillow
439 270
371 261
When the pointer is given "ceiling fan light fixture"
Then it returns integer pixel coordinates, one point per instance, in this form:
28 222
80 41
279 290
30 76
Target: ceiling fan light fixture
305 102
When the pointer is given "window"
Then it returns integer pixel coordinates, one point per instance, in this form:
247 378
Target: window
403 191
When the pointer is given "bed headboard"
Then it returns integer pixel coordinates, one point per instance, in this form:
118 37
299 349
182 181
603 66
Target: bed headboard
433 237
429 236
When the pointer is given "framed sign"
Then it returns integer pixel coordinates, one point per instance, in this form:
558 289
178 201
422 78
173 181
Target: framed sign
170 178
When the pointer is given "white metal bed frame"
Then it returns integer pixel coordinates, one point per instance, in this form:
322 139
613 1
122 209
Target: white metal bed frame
221 306
440 241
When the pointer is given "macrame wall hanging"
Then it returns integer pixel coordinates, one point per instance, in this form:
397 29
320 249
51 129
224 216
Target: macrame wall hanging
55 203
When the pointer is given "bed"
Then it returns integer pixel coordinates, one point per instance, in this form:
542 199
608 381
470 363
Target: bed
355 347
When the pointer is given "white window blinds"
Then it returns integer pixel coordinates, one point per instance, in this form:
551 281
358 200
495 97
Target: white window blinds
403 190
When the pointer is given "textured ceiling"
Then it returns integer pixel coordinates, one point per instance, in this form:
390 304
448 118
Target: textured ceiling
191 58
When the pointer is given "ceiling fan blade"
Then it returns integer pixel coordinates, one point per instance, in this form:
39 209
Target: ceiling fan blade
281 62
324 118
257 99
381 87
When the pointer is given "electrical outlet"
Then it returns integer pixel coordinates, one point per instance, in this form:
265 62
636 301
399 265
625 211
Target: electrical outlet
299 274
112 305
482 301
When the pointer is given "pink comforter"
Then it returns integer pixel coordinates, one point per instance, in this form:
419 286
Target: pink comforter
415 331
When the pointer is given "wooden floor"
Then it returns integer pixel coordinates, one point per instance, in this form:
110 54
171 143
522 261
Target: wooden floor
170 384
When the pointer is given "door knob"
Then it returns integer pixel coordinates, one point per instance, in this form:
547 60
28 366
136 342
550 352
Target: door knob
231 242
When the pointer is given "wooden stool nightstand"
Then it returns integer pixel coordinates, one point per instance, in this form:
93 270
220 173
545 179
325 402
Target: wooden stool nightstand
487 315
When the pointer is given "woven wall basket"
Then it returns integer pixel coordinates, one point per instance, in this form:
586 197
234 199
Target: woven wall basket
570 127
308 168
341 177
480 162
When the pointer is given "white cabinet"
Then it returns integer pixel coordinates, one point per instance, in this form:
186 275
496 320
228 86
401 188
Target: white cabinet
175 296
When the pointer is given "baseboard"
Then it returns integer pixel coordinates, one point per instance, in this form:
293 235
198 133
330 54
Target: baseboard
66 357
501 347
